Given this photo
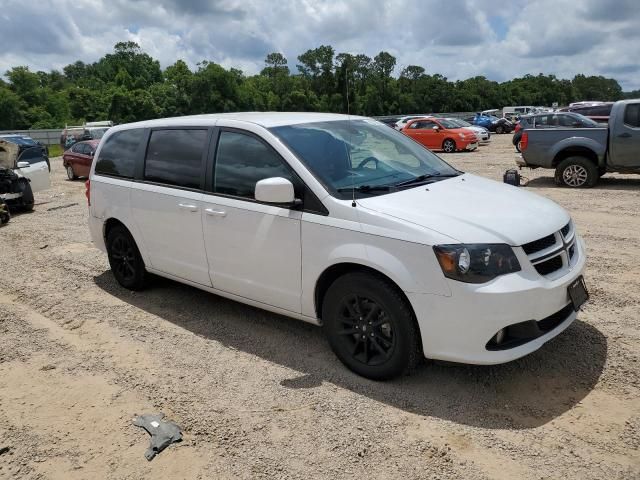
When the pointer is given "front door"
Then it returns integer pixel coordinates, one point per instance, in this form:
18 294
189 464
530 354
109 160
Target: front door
423 132
253 249
37 171
625 141
167 204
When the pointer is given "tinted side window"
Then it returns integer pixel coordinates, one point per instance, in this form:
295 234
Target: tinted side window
632 115
175 157
568 120
31 155
118 154
242 161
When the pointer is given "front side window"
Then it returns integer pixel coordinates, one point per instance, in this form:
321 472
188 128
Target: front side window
118 155
175 157
32 155
632 115
361 155
241 161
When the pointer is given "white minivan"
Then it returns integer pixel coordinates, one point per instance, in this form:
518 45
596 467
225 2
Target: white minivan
342 222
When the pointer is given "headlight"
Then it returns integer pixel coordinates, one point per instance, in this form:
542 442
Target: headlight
476 263
493 122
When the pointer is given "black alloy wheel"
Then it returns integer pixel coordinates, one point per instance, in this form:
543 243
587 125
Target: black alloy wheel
125 259
370 326
366 330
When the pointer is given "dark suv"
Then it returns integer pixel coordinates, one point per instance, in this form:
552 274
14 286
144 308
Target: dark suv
551 120
598 112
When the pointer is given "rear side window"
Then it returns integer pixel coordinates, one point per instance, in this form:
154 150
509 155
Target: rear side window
176 157
118 154
632 115
243 160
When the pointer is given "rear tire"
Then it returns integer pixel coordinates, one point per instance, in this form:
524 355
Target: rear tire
576 172
70 173
370 326
125 260
449 146
499 129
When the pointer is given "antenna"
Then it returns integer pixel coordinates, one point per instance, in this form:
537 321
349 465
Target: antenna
353 182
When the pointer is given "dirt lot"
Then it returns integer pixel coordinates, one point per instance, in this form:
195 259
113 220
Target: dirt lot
262 396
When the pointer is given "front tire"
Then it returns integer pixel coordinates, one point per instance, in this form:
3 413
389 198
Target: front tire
370 326
499 129
125 260
27 200
576 172
70 173
449 146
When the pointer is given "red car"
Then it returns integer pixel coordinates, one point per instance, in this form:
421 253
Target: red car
77 160
440 134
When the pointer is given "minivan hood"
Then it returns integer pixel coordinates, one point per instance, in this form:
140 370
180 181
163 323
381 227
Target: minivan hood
473 209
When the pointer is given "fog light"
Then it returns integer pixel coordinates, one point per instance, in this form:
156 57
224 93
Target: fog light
500 336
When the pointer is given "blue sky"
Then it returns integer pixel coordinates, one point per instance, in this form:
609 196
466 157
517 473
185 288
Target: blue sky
456 38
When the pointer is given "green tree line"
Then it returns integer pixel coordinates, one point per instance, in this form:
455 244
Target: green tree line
129 85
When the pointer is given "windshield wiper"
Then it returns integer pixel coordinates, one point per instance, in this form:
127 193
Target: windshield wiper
425 176
367 188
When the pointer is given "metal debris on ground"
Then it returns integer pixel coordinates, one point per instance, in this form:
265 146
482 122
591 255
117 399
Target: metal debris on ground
162 433
59 207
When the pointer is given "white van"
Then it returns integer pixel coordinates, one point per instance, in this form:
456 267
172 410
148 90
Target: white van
512 113
342 222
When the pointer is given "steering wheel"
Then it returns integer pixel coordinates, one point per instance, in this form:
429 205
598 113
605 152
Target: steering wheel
366 161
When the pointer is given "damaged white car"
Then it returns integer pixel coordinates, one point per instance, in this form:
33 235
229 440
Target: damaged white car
23 172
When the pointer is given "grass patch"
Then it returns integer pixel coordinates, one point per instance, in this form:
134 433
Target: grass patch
55 150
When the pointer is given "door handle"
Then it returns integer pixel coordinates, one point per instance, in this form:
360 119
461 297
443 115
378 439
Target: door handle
624 135
215 213
187 206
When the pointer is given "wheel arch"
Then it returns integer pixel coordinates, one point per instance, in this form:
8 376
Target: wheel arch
335 271
575 151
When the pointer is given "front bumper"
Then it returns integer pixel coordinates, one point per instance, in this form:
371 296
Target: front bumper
457 328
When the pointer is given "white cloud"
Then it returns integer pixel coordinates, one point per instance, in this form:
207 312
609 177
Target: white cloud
457 38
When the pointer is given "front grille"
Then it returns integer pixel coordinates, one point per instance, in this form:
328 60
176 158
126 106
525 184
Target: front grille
538 245
549 266
554 252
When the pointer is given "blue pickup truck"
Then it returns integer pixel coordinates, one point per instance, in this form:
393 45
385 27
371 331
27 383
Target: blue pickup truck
580 156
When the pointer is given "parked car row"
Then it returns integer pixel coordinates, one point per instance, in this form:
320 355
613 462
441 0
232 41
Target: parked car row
491 123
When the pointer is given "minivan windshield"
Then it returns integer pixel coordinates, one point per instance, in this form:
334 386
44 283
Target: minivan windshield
362 157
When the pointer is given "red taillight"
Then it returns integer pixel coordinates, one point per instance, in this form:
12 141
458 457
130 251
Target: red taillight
518 127
524 141
87 191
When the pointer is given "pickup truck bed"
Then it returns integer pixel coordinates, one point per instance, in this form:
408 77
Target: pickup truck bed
544 145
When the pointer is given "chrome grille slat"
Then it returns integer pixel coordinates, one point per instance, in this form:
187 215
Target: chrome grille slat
554 252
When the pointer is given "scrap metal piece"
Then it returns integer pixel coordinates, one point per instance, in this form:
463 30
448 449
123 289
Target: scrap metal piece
162 433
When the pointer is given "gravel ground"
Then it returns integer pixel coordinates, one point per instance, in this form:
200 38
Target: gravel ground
262 396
